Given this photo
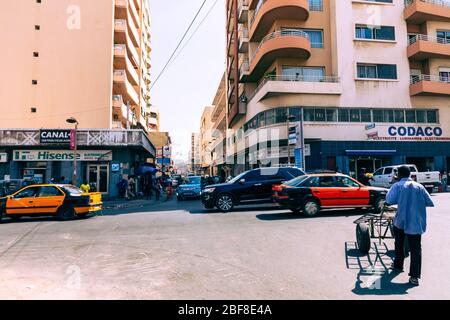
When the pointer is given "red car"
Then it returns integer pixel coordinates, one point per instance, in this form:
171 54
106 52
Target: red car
311 193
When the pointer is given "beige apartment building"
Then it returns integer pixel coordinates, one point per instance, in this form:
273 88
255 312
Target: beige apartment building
81 58
85 59
365 82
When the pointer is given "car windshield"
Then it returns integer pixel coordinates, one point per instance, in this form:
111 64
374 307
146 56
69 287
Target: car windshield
296 181
193 180
237 178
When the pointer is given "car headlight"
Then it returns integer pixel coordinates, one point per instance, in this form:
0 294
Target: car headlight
208 190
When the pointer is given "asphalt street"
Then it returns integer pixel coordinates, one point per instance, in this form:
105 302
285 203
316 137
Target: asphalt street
178 250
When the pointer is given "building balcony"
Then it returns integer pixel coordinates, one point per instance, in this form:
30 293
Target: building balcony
273 86
242 11
279 44
121 7
243 40
272 10
123 87
121 110
121 62
419 11
429 85
153 121
135 14
423 47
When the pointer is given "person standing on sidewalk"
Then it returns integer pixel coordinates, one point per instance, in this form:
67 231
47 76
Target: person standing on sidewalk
410 221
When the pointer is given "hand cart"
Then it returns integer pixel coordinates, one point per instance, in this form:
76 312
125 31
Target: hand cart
375 226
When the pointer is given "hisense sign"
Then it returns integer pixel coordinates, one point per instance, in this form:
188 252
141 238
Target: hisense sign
62 155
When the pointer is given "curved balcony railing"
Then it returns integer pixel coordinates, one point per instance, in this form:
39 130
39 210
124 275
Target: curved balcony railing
279 34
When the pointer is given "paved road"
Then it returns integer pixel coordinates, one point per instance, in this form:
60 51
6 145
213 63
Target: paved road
180 251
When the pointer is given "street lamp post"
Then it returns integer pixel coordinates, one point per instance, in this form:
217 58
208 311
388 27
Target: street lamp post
289 118
75 122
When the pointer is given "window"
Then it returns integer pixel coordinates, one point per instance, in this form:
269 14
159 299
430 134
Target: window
343 115
37 27
388 171
315 37
319 115
315 5
443 35
389 116
34 82
49 192
254 175
410 116
377 71
366 115
332 115
399 116
326 182
355 115
431 116
309 115
36 54
379 172
375 33
33 110
27 193
420 116
311 74
378 116
345 182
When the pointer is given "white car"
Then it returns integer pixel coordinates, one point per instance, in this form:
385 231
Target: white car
383 177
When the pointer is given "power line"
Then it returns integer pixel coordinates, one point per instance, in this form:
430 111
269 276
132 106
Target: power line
195 31
179 44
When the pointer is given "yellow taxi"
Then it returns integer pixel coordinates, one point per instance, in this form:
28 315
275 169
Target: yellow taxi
64 201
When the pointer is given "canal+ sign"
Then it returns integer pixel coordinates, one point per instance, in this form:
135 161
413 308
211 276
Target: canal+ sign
54 136
402 131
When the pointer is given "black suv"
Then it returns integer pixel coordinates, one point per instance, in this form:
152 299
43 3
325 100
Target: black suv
251 187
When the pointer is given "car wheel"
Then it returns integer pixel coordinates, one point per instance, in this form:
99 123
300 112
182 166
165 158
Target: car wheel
379 204
363 237
66 213
224 203
311 208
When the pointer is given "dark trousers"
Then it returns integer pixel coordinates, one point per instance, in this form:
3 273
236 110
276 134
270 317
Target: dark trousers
415 248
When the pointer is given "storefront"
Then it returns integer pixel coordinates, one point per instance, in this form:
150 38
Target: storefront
103 157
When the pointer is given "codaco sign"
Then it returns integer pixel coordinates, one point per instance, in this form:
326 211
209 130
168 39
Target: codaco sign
415 131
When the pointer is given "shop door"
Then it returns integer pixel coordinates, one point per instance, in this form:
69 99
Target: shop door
99 176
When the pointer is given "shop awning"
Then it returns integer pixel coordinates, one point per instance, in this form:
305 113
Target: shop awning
371 152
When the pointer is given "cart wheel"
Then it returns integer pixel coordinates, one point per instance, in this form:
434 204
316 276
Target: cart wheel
363 237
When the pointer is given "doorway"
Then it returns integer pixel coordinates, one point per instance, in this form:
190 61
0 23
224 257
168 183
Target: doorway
98 174
369 163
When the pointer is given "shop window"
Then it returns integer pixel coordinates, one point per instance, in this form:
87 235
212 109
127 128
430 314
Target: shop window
270 117
281 115
295 112
389 116
378 116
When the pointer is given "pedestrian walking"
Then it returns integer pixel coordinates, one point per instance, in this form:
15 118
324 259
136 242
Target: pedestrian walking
122 186
410 221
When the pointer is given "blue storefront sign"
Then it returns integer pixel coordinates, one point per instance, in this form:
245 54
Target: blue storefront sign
415 131
166 162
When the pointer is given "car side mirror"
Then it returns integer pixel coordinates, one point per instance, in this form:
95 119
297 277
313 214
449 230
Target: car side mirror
242 181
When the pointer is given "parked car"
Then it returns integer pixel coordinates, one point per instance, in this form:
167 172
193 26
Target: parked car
310 193
8 187
63 201
383 177
190 188
251 187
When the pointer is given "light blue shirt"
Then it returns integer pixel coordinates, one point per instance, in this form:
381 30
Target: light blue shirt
412 200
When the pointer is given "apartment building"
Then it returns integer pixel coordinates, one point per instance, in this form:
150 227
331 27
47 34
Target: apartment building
219 129
366 82
194 154
154 119
85 59
206 139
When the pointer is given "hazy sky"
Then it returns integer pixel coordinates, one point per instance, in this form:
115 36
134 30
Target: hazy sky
191 81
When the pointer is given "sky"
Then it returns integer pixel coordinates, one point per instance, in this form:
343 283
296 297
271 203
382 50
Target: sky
191 81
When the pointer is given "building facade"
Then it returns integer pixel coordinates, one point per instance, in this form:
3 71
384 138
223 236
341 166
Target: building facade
194 155
367 83
206 140
87 59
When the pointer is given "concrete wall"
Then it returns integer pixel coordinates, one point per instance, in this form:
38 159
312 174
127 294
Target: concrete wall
73 70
